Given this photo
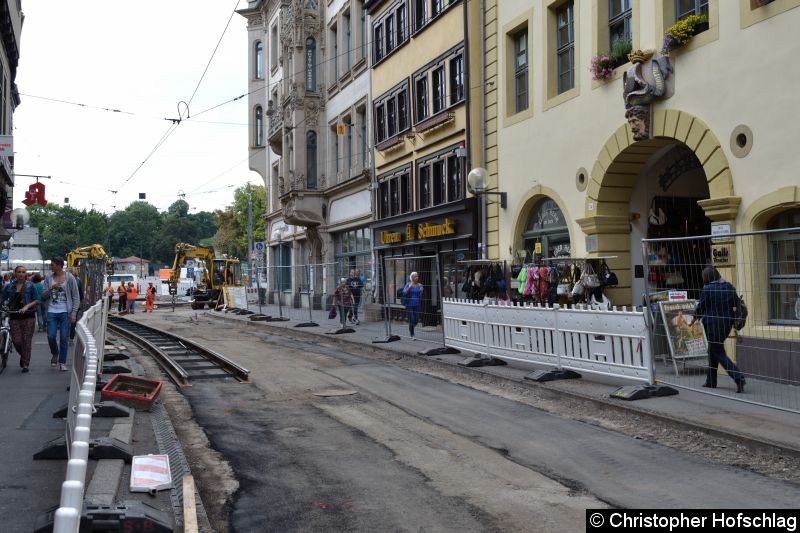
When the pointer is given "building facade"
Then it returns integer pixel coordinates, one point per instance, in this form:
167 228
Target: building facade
309 94
11 28
420 56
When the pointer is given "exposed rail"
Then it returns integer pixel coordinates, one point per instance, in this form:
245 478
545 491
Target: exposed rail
183 360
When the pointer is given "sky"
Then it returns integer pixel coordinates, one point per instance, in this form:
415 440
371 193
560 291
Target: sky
140 58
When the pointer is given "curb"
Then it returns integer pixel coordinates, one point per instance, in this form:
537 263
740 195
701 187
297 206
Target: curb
753 443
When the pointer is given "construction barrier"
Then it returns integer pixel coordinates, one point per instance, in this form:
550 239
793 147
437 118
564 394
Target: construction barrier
612 343
762 269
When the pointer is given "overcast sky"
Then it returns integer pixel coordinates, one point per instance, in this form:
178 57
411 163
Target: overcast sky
140 58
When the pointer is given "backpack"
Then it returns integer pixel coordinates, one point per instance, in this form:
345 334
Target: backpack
740 314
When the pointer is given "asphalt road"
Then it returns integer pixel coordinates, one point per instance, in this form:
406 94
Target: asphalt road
411 452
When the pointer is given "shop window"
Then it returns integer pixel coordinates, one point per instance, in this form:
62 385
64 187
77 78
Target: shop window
547 226
784 269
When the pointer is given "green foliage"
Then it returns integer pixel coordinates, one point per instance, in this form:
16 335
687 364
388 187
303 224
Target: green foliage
231 236
620 49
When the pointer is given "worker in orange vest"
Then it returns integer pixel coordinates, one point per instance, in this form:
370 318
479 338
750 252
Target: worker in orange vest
133 293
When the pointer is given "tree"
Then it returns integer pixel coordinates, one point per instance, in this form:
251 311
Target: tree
93 229
135 230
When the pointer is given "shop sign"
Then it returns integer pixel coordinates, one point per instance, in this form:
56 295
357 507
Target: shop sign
423 230
678 296
722 254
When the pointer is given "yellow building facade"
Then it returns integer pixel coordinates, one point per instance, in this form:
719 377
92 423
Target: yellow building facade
421 110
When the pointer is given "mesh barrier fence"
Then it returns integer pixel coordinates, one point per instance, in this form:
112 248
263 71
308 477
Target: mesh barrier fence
694 287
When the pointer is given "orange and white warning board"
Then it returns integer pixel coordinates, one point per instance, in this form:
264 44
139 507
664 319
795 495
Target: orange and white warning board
150 472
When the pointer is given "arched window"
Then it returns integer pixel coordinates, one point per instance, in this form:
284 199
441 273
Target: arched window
546 225
784 269
311 65
311 160
259 60
258 136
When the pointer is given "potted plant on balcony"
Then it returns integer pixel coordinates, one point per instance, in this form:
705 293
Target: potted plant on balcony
682 32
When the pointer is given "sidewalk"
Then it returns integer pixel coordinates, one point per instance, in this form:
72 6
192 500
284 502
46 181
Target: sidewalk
759 427
32 487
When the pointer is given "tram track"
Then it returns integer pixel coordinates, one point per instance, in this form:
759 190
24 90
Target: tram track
183 360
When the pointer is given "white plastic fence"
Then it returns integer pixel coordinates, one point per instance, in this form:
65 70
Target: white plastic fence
86 366
612 343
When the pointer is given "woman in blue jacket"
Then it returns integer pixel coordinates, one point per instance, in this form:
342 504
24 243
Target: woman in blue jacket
19 295
716 310
413 295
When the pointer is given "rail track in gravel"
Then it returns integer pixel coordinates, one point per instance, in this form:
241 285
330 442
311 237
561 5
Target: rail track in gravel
183 360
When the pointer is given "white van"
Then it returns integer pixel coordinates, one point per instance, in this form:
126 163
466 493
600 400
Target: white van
116 279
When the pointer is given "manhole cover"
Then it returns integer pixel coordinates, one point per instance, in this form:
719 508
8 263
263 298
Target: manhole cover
334 392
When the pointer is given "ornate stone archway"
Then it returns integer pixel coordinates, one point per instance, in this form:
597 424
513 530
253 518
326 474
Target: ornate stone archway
606 220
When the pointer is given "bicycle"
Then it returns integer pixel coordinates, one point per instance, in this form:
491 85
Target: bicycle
5 338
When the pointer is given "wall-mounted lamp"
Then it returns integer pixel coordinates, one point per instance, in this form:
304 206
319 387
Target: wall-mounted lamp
477 179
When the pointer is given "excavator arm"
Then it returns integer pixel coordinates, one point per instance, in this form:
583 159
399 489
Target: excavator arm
184 251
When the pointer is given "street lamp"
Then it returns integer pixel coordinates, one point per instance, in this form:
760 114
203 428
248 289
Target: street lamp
477 180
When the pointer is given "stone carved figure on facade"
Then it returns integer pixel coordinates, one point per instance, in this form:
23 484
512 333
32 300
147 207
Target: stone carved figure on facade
643 83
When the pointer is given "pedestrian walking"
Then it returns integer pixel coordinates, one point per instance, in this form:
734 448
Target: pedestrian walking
61 297
150 297
343 299
109 293
38 284
356 286
122 292
20 298
715 309
412 292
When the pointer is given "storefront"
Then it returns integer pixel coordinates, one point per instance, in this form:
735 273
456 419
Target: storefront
435 244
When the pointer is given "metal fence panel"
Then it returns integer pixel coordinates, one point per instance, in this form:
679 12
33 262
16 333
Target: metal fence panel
764 269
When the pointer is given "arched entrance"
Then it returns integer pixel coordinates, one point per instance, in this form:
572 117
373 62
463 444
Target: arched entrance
607 220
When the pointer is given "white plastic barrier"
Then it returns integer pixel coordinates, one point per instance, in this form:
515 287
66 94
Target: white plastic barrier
611 343
86 367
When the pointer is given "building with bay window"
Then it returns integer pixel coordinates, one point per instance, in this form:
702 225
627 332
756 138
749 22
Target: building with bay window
11 28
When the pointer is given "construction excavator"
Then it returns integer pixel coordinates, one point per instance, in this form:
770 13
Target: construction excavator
217 274
90 264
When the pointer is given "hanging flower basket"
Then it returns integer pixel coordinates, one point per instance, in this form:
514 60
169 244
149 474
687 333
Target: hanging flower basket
602 67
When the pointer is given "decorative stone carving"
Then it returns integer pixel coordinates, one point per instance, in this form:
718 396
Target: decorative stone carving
643 83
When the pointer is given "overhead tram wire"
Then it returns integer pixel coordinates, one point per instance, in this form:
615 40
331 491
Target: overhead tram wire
176 122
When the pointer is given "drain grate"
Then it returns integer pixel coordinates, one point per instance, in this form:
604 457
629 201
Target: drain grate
169 444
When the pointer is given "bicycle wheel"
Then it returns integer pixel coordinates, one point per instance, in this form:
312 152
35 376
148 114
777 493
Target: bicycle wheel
5 347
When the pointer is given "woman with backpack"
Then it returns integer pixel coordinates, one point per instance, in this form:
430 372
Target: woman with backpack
716 308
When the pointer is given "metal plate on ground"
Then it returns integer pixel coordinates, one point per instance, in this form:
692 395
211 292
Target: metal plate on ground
325 393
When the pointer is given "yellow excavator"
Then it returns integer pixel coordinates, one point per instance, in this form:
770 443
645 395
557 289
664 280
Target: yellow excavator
217 274
90 264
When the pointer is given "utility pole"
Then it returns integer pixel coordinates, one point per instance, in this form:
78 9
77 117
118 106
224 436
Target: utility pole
249 237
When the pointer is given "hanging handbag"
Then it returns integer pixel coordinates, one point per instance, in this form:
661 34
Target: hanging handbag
577 290
740 315
674 278
332 312
656 216
608 278
589 279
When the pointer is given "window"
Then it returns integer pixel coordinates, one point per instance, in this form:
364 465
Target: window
258 136
346 40
440 179
521 71
335 57
565 47
457 79
337 154
377 42
421 97
684 8
348 148
438 87
311 65
546 225
311 160
273 47
258 67
395 193
362 28
436 7
619 22
361 121
419 14
784 270
389 32
391 113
